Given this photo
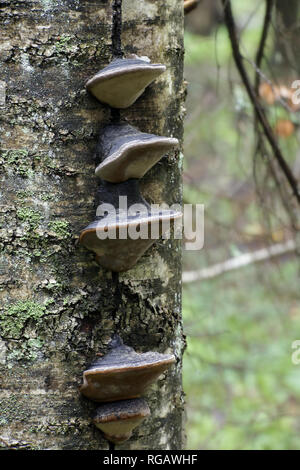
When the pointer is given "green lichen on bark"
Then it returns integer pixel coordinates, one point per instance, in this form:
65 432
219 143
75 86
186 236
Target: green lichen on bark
29 216
60 228
17 161
17 315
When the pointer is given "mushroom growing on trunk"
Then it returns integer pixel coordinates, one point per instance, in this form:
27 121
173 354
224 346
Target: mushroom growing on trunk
125 152
125 226
122 373
117 420
123 81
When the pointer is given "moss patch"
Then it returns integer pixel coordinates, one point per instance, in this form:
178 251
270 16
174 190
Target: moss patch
29 216
60 228
63 43
18 315
18 161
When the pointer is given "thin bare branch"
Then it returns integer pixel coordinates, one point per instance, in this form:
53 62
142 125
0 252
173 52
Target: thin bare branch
268 132
239 261
263 40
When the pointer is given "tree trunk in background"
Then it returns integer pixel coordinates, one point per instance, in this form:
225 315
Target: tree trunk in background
287 39
58 307
205 18
286 59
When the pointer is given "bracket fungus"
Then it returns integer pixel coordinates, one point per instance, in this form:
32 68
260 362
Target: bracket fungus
117 420
122 235
190 5
125 152
123 81
122 373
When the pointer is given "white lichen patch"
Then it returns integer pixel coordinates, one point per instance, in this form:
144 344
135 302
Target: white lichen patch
5 49
180 161
166 409
2 93
178 343
38 392
169 82
49 4
2 352
164 441
133 9
156 268
25 63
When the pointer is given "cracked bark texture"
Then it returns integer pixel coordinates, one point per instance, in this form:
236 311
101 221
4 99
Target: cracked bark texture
58 307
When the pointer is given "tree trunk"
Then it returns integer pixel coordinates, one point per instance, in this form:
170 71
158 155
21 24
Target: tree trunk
287 39
58 307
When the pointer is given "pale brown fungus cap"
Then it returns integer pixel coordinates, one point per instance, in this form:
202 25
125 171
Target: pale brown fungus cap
123 374
109 238
123 81
117 420
190 5
127 153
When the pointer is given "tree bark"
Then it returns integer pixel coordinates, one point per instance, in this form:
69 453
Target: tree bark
287 39
58 307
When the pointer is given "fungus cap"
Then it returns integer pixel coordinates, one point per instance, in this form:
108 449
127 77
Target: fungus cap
122 373
190 5
127 153
119 240
123 81
117 420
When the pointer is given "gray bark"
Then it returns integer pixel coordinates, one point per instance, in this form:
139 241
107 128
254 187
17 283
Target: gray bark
58 307
287 39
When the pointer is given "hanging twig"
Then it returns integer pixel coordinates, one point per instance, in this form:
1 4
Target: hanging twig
262 42
238 58
239 262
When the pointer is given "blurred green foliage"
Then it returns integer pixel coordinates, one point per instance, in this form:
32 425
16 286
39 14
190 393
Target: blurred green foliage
242 390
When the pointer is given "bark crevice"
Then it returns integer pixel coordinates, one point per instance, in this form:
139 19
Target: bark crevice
117 29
